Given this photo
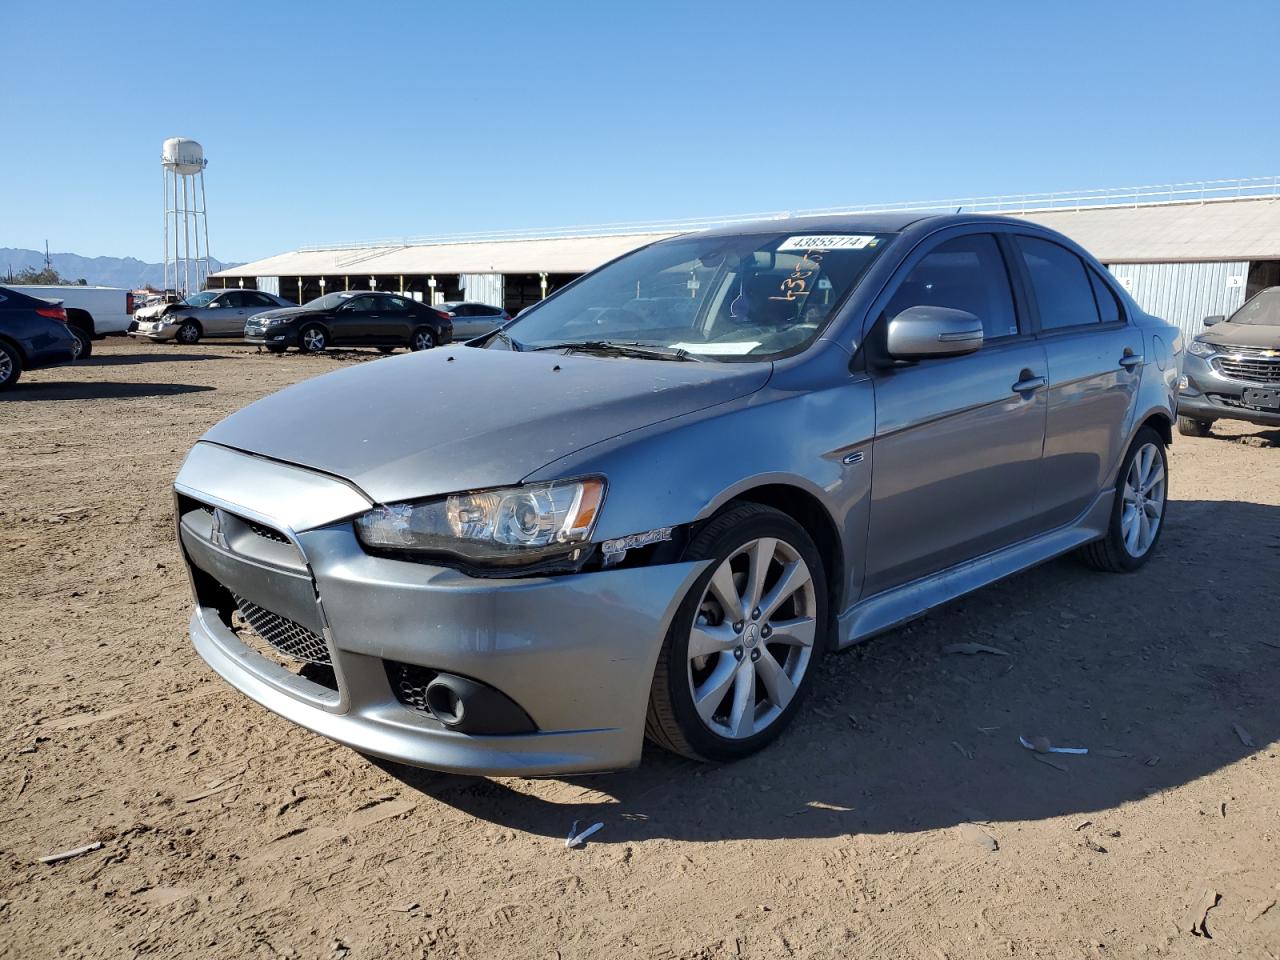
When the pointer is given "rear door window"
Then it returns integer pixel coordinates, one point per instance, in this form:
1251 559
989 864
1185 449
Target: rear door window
967 273
1061 284
1108 305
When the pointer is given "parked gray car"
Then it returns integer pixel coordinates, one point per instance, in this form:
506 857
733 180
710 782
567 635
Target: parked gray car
471 320
1233 368
653 502
209 313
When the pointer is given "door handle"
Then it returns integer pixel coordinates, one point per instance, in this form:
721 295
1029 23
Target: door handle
1130 359
1029 384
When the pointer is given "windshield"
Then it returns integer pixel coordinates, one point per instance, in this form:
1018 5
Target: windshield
1263 310
720 298
202 299
329 300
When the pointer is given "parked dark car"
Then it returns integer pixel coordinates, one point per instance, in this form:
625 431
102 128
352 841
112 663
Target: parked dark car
351 318
33 334
1232 371
471 320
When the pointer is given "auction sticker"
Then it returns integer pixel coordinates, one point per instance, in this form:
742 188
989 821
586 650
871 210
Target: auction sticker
835 241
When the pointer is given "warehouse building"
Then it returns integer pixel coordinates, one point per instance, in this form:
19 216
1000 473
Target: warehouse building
1184 251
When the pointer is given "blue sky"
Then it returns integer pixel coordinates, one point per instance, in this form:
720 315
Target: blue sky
351 121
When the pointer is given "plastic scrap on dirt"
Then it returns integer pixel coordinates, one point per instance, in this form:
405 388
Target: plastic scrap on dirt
1042 745
1243 734
70 854
974 834
1197 918
971 648
576 839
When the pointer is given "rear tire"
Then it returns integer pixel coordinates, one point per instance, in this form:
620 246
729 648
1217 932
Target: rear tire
10 366
386 349
1190 427
313 339
735 698
423 338
189 333
1142 488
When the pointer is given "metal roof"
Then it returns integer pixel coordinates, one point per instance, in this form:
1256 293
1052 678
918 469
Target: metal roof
1209 226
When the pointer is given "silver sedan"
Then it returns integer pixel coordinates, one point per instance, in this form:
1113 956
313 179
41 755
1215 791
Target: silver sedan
210 313
651 504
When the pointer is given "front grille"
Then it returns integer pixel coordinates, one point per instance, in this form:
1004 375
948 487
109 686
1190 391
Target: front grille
409 683
1251 366
283 635
266 532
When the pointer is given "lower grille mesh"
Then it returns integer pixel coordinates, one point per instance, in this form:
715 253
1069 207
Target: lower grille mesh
409 683
289 638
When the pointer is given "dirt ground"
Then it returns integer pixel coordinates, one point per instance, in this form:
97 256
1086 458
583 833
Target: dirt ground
898 817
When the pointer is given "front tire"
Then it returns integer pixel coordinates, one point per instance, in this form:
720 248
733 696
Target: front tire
10 366
83 341
313 339
1137 516
746 640
1189 427
189 333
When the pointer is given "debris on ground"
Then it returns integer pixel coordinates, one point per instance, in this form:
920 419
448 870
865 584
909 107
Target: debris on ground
1257 912
576 839
1197 918
972 648
974 834
964 752
1042 745
70 854
1049 763
1243 734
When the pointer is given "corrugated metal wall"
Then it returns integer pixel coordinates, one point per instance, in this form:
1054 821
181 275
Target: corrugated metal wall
482 288
1184 293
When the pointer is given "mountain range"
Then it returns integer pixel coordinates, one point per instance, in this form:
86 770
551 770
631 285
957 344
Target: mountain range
97 271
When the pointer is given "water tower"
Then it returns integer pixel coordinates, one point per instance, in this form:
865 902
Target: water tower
186 264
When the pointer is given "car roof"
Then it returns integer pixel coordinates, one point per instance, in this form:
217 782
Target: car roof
852 222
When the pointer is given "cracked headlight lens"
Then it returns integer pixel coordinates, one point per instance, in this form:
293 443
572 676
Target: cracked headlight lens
507 525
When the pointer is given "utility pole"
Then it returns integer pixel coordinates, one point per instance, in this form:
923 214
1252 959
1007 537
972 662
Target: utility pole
48 264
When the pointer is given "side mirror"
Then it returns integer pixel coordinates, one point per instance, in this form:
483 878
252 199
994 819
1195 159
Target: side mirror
1216 318
928 331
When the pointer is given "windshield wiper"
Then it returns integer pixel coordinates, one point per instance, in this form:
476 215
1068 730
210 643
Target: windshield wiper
619 348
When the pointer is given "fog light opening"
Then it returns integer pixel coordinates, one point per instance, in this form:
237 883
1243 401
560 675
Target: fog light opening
445 704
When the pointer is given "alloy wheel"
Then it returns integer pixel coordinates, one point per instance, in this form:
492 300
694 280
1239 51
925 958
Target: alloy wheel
188 333
423 340
752 639
313 340
6 367
1144 496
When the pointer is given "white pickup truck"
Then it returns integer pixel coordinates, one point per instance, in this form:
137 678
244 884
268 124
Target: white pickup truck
92 312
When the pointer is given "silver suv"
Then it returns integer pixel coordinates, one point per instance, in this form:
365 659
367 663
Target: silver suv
690 475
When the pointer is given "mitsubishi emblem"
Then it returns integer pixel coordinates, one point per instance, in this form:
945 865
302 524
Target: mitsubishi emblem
216 533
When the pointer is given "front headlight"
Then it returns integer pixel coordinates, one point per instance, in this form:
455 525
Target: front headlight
510 525
1202 349
272 321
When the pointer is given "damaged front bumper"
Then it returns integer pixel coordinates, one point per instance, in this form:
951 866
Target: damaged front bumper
572 654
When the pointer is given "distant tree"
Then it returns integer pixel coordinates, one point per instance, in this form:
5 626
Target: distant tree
47 277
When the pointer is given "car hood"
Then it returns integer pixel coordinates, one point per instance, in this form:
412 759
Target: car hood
445 420
1242 335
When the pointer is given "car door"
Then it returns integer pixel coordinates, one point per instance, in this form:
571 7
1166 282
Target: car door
355 322
225 316
470 320
1095 361
396 320
958 440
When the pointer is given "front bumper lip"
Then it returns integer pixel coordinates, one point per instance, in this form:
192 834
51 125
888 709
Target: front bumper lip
164 333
